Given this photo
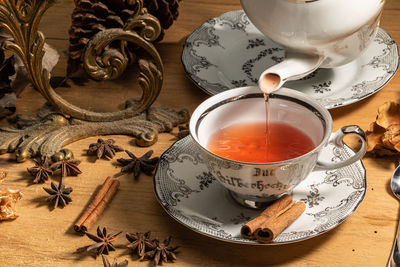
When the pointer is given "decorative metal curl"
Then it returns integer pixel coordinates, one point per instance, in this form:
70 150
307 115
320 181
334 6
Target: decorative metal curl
20 18
112 63
47 133
149 26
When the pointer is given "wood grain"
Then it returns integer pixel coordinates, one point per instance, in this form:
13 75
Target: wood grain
41 237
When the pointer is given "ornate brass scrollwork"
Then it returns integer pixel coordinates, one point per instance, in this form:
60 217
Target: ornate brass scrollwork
21 19
47 133
64 123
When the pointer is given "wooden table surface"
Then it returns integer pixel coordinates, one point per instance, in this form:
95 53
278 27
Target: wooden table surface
41 237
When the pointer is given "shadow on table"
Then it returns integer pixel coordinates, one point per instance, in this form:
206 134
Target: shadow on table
172 52
339 112
230 254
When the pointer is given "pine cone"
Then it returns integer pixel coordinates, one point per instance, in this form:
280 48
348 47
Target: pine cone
165 10
91 16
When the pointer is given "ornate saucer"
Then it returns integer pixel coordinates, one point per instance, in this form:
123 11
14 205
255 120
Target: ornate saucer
193 197
228 52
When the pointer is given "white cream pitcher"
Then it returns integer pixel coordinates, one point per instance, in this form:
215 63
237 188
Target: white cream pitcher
315 33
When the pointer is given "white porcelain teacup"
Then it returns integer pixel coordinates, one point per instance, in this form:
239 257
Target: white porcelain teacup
256 184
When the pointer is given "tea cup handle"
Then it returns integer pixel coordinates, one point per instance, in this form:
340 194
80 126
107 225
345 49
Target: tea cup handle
337 140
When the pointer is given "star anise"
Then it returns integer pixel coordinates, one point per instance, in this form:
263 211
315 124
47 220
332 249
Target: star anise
41 170
68 167
140 243
59 195
103 241
115 264
183 131
137 165
104 149
162 252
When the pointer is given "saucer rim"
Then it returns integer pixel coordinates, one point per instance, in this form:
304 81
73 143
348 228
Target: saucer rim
252 242
330 106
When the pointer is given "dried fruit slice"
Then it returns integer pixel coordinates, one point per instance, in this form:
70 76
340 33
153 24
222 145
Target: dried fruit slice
8 200
383 135
391 137
388 114
374 137
3 176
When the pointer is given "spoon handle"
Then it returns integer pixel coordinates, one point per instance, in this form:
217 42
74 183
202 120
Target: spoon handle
394 260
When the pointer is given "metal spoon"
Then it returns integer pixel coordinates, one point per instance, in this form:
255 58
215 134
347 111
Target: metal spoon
394 259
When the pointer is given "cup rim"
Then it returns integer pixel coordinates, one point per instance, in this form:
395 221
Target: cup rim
247 90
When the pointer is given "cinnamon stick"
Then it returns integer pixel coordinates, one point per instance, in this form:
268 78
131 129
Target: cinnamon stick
273 220
275 208
96 200
274 226
98 204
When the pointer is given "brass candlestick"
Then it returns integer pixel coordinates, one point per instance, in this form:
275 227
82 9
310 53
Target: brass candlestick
68 123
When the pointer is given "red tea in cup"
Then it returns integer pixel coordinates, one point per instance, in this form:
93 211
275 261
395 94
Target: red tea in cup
249 142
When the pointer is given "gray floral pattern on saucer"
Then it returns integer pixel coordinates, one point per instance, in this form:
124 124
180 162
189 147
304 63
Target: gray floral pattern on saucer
193 197
229 52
